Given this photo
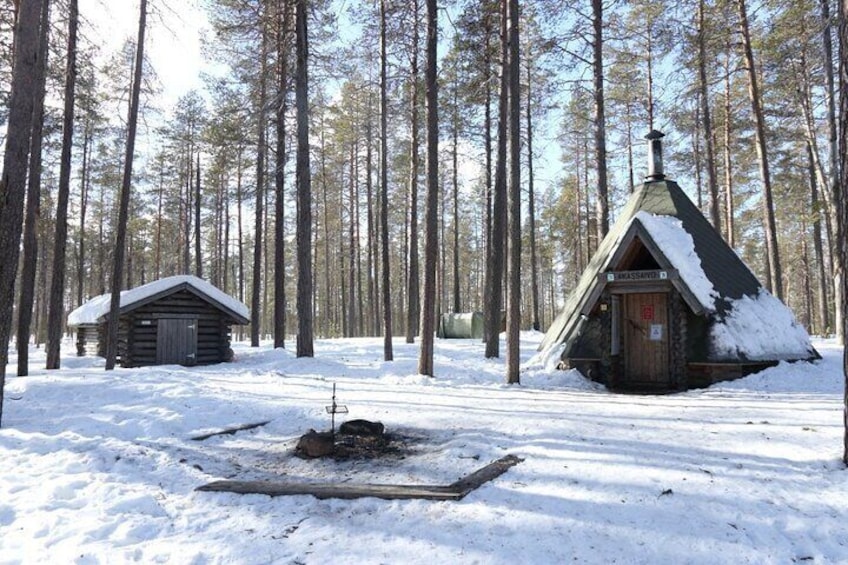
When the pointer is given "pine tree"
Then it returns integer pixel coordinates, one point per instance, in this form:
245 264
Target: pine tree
15 160
123 210
55 321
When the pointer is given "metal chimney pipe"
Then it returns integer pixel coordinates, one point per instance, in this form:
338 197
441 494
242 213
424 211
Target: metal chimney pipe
655 160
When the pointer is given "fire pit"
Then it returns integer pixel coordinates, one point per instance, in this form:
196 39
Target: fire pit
360 439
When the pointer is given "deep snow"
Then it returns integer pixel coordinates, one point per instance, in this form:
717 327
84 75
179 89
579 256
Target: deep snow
98 467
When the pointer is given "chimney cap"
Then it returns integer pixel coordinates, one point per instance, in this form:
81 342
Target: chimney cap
654 134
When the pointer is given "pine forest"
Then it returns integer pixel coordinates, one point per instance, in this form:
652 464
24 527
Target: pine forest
358 168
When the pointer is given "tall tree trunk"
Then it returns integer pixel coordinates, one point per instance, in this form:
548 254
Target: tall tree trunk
513 315
85 174
189 176
649 60
818 177
774 281
305 346
55 323
351 251
413 310
123 210
198 258
431 218
327 285
842 198
388 354
696 155
33 206
821 276
831 190
373 321
240 228
531 205
456 290
712 182
280 179
487 135
256 295
495 260
729 222
600 118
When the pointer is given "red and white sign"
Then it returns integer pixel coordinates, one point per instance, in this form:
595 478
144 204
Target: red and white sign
648 312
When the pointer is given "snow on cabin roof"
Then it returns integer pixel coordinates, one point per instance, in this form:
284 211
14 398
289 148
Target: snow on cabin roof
759 328
95 309
678 247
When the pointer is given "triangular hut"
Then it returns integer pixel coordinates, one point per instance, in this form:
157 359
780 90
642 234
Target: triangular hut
665 304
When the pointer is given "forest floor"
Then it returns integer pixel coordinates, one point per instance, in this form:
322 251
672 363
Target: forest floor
100 467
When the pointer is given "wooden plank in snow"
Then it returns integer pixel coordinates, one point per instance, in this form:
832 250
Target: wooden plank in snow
455 491
230 431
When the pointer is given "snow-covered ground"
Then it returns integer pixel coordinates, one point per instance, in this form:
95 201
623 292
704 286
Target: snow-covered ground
99 467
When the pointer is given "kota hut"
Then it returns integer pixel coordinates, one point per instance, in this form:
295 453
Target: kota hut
665 304
176 320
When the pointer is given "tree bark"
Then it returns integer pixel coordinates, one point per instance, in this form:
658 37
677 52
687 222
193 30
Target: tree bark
712 182
388 354
84 187
513 320
600 118
373 320
123 210
413 310
818 248
351 249
431 236
305 346
55 323
198 258
495 260
280 179
774 280
457 303
256 295
729 222
33 206
831 190
842 197
531 205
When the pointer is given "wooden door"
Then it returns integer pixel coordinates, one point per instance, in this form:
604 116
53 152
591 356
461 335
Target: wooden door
176 341
645 328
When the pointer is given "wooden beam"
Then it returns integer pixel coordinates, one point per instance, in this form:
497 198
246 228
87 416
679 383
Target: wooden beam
349 491
230 431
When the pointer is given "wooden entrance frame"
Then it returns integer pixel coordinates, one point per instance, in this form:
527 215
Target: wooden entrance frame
616 358
621 280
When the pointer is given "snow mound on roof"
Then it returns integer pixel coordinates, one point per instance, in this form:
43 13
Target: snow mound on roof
679 248
760 328
97 307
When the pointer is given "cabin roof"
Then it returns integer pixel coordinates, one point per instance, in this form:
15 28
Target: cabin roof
94 311
712 278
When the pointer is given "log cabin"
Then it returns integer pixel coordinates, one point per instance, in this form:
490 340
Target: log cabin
180 320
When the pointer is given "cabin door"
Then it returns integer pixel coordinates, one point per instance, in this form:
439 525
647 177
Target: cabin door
646 339
176 341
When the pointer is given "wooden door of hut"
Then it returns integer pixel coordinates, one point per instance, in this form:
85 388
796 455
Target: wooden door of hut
646 349
176 341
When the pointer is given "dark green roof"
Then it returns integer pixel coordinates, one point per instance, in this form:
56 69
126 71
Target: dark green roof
730 277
